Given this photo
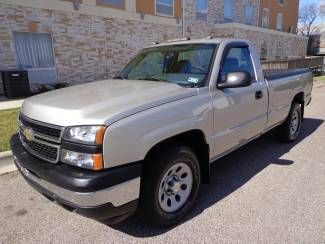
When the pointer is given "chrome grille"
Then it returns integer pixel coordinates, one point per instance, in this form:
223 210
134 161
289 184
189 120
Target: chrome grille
48 132
43 140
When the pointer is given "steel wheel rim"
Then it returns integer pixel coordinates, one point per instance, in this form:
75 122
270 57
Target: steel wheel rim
294 123
175 187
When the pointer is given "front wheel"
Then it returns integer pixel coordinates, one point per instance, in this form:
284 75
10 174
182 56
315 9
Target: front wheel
290 129
169 187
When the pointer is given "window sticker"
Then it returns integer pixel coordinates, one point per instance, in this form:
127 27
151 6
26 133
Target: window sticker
193 80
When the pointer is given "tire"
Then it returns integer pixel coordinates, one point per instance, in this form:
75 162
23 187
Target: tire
169 186
290 129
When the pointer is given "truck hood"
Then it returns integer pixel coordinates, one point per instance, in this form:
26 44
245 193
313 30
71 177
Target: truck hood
101 102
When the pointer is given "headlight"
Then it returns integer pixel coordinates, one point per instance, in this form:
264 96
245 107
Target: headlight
85 134
83 160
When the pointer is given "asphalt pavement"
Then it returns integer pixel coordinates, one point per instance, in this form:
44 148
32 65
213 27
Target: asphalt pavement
265 192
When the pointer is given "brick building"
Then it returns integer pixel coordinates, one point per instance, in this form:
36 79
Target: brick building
85 40
279 15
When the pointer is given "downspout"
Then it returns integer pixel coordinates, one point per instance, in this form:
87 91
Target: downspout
183 18
258 12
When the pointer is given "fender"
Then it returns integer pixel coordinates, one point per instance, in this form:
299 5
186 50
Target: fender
130 139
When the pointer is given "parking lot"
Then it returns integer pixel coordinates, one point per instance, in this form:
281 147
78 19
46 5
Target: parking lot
265 192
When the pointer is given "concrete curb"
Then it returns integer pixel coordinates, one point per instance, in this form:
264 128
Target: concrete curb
319 85
4 105
6 163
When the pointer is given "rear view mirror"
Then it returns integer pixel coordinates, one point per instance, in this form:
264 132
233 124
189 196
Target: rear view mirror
235 79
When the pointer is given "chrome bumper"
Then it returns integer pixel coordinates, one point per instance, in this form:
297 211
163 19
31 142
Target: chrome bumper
117 195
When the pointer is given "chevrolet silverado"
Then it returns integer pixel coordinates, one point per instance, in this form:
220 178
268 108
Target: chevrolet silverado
143 142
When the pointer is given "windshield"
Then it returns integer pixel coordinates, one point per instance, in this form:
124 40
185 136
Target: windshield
187 65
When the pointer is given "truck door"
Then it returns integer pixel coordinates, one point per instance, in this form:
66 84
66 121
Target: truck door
240 114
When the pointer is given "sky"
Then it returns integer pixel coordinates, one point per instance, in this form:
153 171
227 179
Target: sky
302 2
311 1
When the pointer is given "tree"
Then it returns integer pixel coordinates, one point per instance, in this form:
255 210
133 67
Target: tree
309 14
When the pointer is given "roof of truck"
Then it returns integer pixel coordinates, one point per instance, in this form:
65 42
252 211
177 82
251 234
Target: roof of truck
187 40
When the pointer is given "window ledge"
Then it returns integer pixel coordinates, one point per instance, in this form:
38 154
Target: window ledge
164 15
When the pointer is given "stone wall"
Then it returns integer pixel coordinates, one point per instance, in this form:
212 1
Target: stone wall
278 44
86 47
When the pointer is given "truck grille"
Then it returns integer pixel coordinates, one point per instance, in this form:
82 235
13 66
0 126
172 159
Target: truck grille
50 131
46 152
40 139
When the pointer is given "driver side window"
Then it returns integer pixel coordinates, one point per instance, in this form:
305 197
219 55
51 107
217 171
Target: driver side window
238 59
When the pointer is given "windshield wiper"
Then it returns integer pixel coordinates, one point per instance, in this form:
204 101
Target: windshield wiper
150 79
119 77
187 85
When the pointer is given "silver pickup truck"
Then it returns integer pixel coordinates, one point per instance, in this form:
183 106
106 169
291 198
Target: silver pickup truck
144 141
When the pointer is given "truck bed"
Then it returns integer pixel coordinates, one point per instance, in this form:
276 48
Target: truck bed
273 74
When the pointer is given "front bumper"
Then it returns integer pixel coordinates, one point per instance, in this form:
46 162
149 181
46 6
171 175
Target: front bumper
108 194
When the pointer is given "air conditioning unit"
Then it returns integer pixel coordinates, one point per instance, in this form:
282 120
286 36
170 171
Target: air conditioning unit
15 83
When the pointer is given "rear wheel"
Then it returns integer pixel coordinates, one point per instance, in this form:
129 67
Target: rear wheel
170 185
290 129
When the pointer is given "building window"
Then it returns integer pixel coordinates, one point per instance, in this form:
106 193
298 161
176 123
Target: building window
264 51
266 18
281 2
228 10
202 9
249 12
33 50
112 3
279 21
165 7
202 6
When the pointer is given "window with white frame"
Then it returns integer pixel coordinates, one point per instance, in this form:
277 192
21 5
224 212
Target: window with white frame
281 1
202 9
228 8
33 50
249 12
279 21
165 7
266 18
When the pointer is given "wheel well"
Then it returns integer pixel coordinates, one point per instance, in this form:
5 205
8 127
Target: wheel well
194 139
300 98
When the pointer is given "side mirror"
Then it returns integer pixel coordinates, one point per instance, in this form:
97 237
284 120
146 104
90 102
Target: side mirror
235 79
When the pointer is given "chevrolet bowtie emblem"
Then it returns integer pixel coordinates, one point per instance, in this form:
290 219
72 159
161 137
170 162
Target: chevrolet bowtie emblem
29 134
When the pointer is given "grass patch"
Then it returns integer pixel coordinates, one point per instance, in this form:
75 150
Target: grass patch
8 126
319 78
